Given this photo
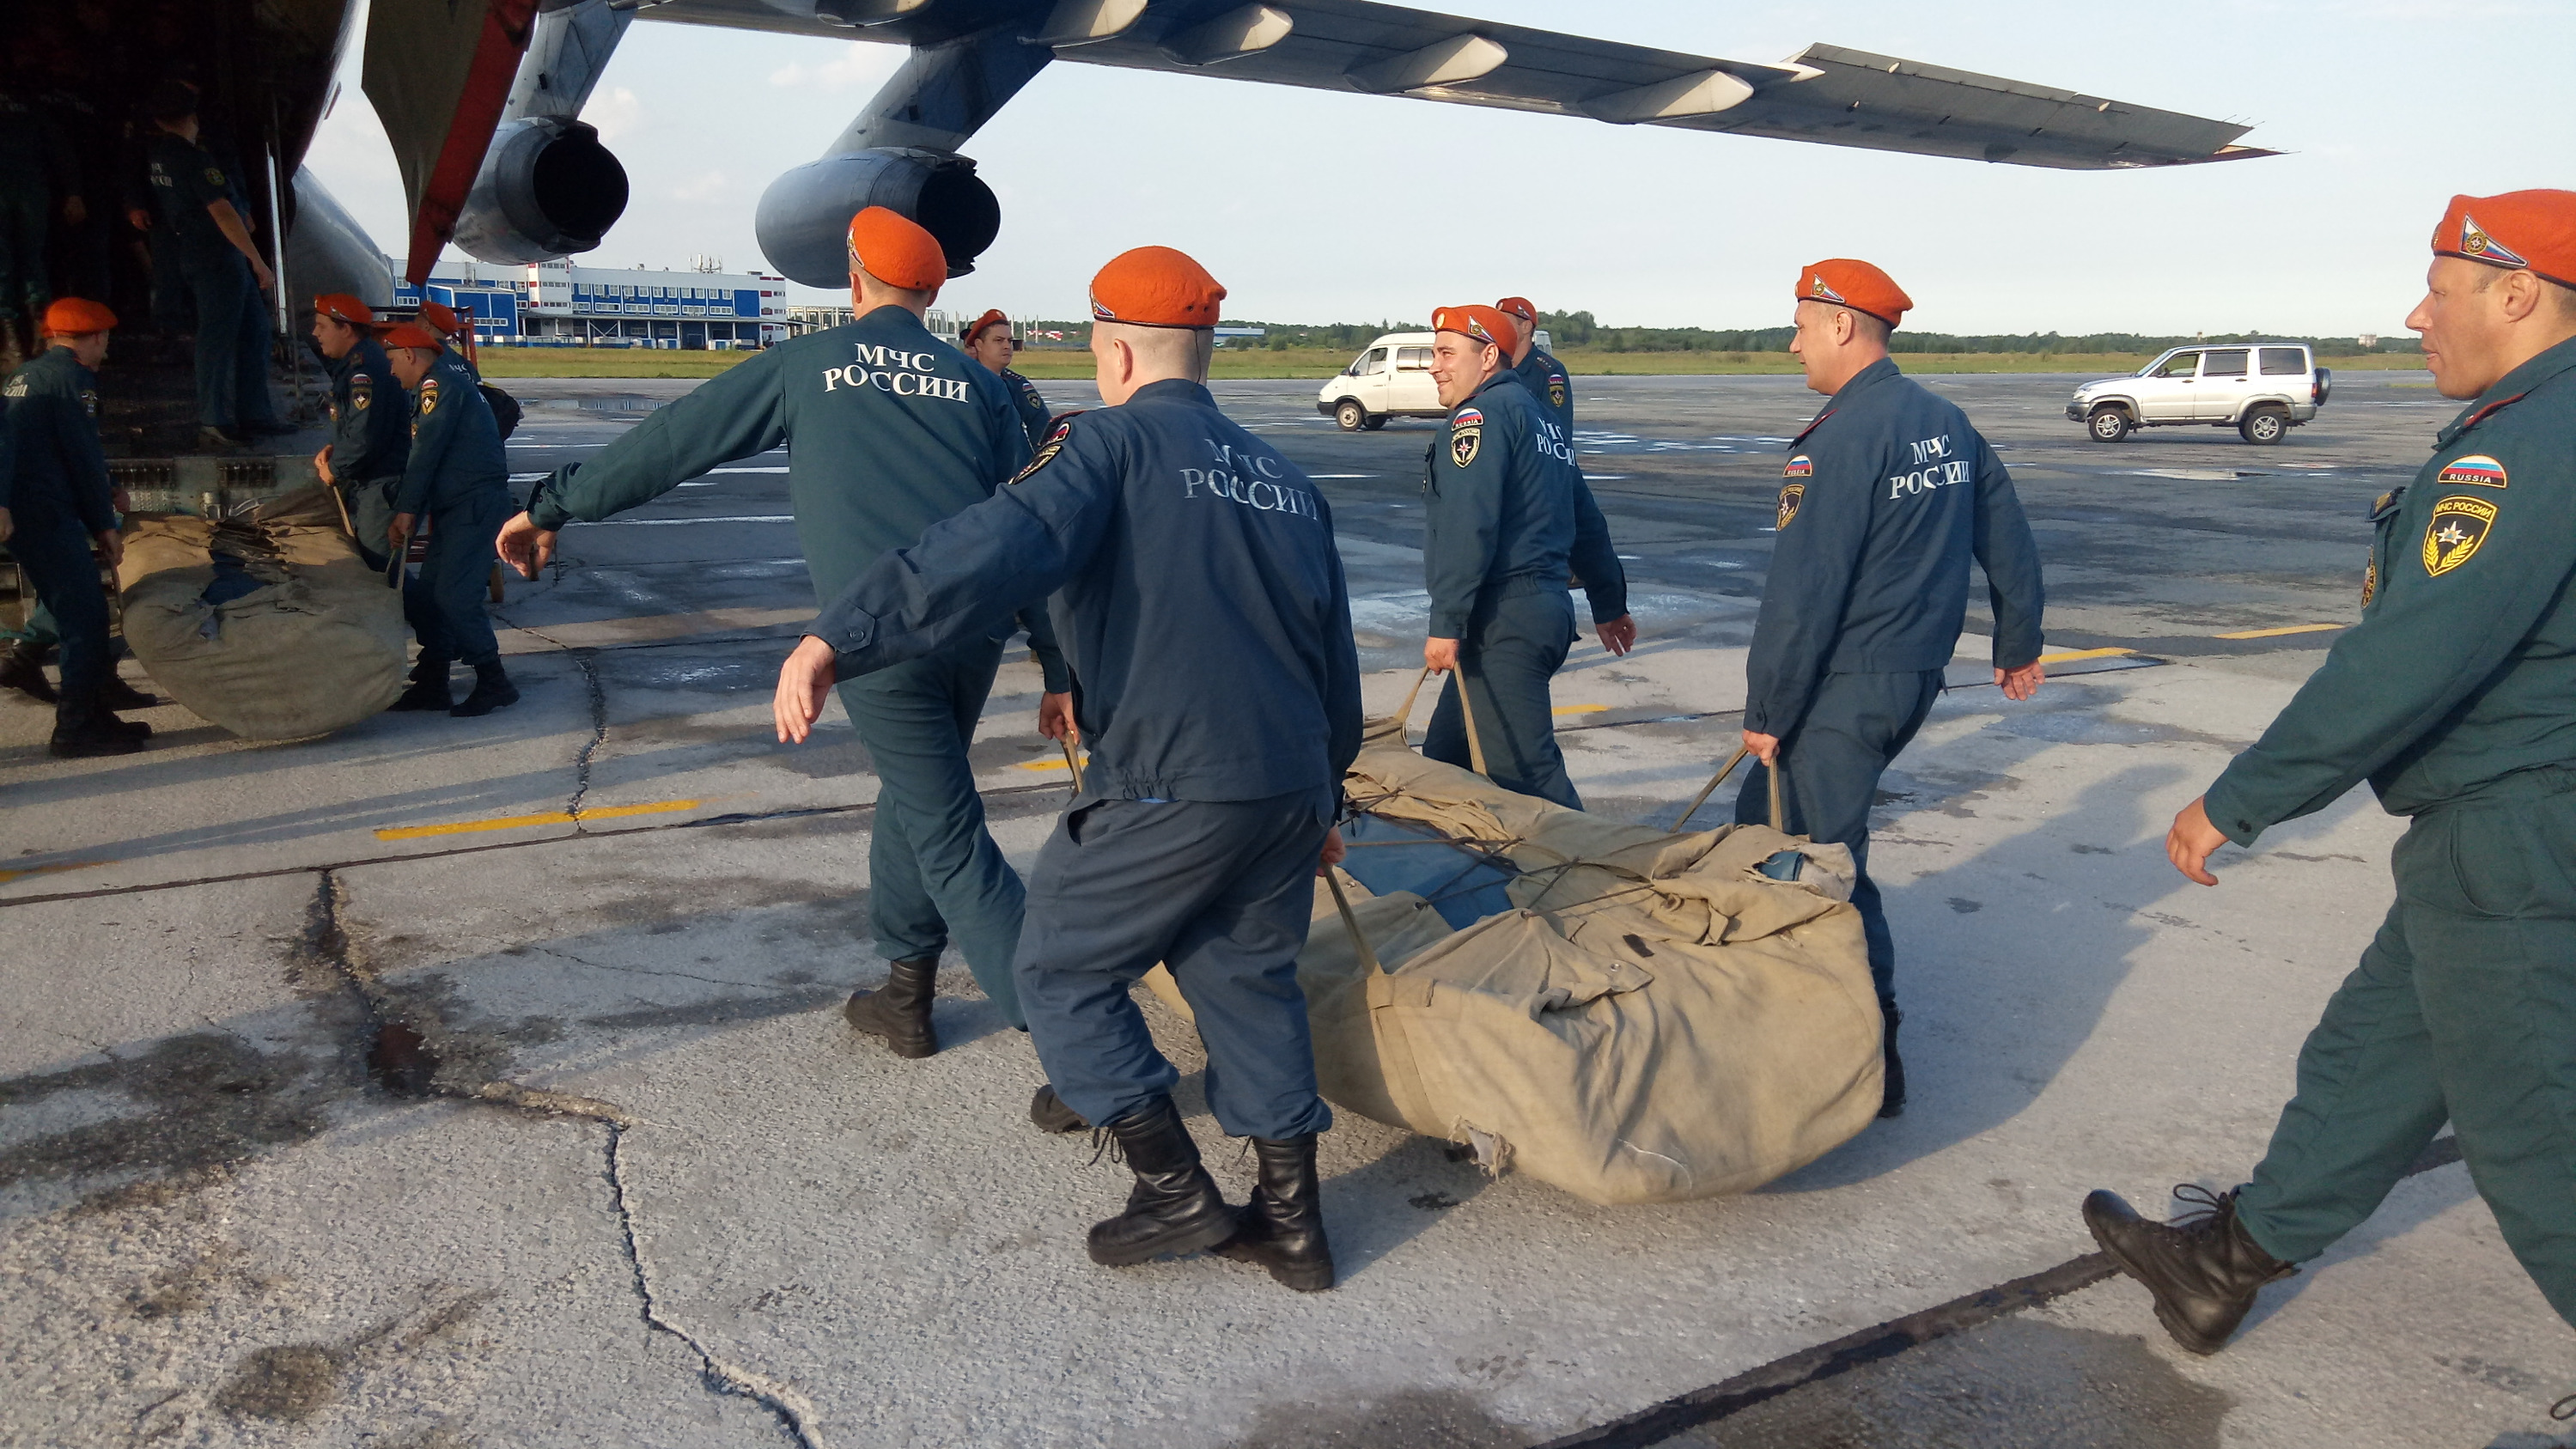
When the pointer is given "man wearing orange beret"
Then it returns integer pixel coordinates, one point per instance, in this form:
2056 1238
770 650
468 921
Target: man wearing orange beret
1199 591
2451 698
370 442
55 503
1506 522
1544 376
988 340
889 431
457 475
1884 501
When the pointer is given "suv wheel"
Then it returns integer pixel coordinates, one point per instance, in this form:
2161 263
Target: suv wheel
1376 421
1351 415
2264 426
2107 425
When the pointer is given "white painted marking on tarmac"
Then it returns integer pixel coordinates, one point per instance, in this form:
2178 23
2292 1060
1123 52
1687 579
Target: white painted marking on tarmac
669 522
746 470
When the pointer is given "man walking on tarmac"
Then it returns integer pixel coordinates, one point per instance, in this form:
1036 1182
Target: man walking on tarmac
891 430
1544 376
370 436
457 476
988 341
1204 606
2451 698
1506 519
1885 499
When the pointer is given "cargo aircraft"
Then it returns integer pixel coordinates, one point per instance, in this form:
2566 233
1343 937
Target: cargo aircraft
482 102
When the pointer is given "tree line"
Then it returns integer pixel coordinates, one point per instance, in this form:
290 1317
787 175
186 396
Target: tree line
1580 330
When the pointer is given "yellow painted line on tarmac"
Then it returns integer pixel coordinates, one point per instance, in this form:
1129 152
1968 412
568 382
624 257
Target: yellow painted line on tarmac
1055 764
2071 655
7 876
521 822
2277 633
1579 709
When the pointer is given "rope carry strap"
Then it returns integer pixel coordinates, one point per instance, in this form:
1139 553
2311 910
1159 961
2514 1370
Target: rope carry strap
1351 923
1072 761
1404 711
1779 817
343 504
1475 746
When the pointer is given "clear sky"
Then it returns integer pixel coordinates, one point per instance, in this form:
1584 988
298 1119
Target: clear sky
1318 207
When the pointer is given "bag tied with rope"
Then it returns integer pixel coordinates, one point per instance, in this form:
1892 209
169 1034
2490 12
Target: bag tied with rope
265 622
1657 1016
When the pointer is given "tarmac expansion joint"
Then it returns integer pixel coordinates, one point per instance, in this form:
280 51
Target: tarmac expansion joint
409 1061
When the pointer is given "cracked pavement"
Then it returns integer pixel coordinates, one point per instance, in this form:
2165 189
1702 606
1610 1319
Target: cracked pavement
325 1122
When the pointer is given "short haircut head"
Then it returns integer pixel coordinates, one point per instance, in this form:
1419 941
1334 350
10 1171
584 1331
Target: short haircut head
1164 351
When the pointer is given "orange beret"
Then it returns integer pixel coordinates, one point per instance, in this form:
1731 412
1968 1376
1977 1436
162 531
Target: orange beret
1519 309
2533 231
412 334
1481 324
340 306
992 318
440 318
1857 285
76 317
894 249
1155 287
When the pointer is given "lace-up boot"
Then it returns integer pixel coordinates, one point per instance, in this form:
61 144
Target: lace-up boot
1283 1225
2203 1267
1175 1207
1050 1114
899 1011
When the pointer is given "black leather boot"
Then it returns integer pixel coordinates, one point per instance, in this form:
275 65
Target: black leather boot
1891 1097
22 668
899 1011
82 732
1283 1225
1049 1112
1175 1207
2203 1268
114 694
492 690
428 685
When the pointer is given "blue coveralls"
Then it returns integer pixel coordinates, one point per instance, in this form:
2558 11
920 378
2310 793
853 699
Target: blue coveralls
231 318
370 442
1203 606
458 477
1885 498
890 431
1505 512
56 488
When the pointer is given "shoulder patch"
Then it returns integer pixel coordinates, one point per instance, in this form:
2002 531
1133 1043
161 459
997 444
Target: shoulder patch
214 176
1466 418
1047 450
2452 535
1556 390
1800 466
17 388
1465 438
1791 495
428 396
2476 468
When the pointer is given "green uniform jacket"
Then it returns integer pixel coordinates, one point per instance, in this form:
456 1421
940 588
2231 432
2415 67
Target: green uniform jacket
54 468
891 430
2463 667
456 449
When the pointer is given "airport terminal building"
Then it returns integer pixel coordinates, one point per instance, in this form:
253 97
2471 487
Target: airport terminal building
557 304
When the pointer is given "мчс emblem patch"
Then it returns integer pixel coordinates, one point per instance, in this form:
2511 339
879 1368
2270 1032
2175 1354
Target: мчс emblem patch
428 396
2456 529
1800 466
1790 497
1555 391
2476 468
1463 443
1047 450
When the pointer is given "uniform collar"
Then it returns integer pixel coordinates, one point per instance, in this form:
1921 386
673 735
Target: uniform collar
1868 377
891 315
1502 376
1174 389
2510 389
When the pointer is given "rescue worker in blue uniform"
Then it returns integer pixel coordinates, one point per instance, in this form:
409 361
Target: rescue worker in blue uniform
455 474
890 431
370 443
55 504
1885 499
222 271
2451 698
1544 376
988 341
1203 603
1506 517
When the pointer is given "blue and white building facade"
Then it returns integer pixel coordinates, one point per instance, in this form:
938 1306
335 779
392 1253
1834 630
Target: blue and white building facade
557 304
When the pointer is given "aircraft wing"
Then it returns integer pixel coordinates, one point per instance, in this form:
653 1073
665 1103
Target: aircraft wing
1825 93
438 72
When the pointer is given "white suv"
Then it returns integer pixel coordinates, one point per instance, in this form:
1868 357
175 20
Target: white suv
2261 389
1392 379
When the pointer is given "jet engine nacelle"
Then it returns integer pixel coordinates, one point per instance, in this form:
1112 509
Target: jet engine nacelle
804 217
547 189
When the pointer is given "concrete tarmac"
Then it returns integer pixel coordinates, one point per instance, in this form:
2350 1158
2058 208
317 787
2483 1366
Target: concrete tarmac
659 1195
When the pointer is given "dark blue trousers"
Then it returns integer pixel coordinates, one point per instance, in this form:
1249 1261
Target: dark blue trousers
1829 779
933 869
1220 892
1513 647
55 553
232 343
443 603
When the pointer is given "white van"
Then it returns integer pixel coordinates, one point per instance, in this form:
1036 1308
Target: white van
1392 379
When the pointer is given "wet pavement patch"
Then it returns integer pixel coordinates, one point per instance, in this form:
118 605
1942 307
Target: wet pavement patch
1414 1418
289 1382
204 1099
